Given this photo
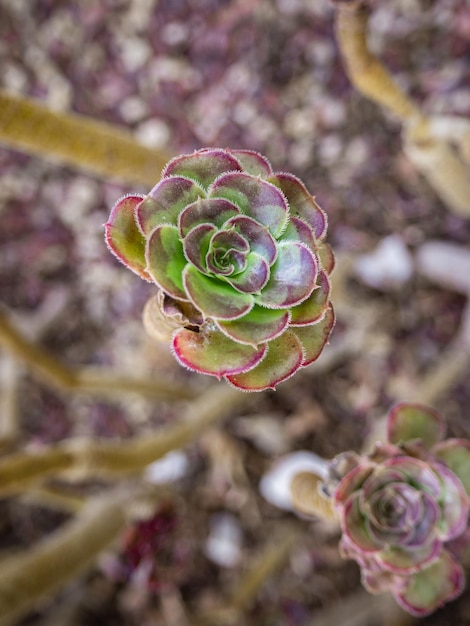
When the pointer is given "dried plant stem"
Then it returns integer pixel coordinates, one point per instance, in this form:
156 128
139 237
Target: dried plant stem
365 71
86 380
82 457
425 141
100 148
8 402
33 575
307 499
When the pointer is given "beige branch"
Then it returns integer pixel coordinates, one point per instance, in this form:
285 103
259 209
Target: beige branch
102 149
364 70
38 572
80 458
426 143
86 380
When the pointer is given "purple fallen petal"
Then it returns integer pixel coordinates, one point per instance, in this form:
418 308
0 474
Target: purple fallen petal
211 352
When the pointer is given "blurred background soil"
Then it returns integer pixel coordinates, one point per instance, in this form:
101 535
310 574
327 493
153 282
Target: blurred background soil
257 74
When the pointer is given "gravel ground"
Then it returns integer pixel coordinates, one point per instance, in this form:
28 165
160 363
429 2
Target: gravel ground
258 74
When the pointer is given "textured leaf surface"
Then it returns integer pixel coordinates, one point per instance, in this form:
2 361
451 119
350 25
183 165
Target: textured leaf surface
212 352
429 589
257 326
203 166
210 210
252 162
256 198
254 277
166 260
409 421
314 338
403 561
283 358
455 453
123 237
258 236
293 277
196 245
301 203
314 307
166 201
214 297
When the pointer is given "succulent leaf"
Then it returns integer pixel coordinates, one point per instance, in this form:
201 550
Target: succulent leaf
292 278
252 162
301 203
407 422
430 588
165 202
455 453
401 505
314 337
203 166
313 308
256 198
212 352
283 358
166 260
238 255
123 237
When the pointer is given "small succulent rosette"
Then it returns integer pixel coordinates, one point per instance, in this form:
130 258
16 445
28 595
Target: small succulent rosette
238 254
402 507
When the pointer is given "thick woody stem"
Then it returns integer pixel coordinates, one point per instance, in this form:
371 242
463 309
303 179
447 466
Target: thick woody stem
102 149
90 458
31 576
365 71
424 144
85 380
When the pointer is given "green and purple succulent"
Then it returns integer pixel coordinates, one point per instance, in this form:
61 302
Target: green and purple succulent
238 254
402 506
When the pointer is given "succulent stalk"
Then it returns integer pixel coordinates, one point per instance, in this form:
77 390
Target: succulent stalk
239 257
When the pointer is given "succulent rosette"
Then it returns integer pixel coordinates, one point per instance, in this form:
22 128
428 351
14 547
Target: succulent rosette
400 507
238 254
